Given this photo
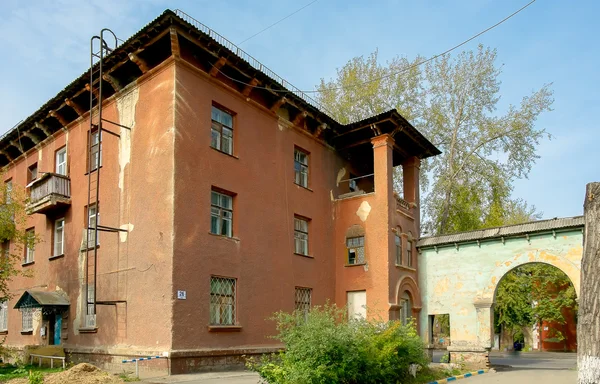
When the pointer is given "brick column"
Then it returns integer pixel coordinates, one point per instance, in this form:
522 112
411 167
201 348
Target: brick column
411 186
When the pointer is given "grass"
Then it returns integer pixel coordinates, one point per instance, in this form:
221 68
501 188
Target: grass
126 377
8 372
427 374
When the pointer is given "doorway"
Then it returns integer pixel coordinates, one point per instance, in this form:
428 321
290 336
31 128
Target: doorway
54 328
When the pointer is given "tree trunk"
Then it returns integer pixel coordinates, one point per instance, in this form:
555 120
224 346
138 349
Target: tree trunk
588 328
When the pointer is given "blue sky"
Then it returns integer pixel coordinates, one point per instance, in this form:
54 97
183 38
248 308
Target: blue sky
45 45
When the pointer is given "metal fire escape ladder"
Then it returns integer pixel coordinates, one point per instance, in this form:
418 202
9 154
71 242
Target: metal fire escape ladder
94 165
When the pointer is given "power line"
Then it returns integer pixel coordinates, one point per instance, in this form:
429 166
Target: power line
391 74
277 22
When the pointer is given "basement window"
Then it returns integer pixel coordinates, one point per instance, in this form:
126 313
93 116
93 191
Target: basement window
221 130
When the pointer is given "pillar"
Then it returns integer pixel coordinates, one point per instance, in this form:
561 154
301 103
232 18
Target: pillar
410 184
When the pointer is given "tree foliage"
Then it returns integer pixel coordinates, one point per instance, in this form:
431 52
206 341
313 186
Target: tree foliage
453 101
532 294
13 233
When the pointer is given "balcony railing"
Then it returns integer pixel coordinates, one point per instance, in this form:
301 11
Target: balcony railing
48 193
401 203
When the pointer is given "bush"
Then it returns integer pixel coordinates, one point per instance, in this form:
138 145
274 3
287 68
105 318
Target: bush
36 377
324 347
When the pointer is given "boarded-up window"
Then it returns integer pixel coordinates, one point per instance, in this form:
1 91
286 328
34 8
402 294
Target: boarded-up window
357 304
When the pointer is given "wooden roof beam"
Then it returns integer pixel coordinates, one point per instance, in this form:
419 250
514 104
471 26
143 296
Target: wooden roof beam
59 117
321 129
110 79
275 107
32 137
300 117
248 88
42 128
69 102
91 89
5 154
217 66
175 50
141 63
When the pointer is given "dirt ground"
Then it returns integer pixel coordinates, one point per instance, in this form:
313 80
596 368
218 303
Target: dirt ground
80 374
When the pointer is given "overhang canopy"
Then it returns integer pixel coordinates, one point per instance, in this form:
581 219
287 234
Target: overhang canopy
40 299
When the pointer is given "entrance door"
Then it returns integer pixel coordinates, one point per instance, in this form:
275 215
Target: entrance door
57 328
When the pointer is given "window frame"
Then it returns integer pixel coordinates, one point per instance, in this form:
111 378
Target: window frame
91 233
219 212
58 164
351 248
27 319
62 237
218 127
301 305
409 252
298 232
91 153
29 250
398 242
216 304
4 316
32 171
300 166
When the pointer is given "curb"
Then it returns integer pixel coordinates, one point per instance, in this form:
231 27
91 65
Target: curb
464 376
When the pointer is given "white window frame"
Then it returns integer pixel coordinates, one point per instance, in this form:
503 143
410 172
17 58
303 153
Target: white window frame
221 212
93 217
221 130
59 246
61 163
301 235
29 248
223 303
4 316
27 319
301 167
95 150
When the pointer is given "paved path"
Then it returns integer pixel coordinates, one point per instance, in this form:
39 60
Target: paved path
526 376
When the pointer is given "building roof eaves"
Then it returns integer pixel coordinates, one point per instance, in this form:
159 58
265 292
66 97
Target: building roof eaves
505 231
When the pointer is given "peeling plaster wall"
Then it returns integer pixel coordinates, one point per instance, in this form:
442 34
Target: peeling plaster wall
463 281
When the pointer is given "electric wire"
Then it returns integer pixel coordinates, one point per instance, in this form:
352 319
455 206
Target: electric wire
358 84
277 22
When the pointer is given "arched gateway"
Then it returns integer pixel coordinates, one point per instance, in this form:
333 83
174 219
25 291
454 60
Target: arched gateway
459 275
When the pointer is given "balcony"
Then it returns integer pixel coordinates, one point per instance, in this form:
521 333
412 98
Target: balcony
49 193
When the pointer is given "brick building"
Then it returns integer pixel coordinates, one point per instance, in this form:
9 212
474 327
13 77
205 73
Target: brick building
213 194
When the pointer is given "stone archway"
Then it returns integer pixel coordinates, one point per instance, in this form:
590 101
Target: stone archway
459 275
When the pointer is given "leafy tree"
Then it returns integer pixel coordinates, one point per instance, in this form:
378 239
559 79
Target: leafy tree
13 233
532 294
453 100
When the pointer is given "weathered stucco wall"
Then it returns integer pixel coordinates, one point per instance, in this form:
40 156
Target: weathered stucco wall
461 279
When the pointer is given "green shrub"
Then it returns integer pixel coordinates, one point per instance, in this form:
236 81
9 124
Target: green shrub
36 377
325 347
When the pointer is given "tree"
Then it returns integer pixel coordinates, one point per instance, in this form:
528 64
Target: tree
12 236
533 294
453 100
588 327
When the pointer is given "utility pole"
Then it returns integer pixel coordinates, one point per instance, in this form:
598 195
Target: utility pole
588 328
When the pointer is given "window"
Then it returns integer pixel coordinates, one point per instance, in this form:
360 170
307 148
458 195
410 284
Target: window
93 220
61 161
8 187
303 301
4 316
409 250
406 310
398 250
221 214
222 301
357 304
32 173
356 250
221 130
27 319
90 315
29 248
95 150
300 236
59 237
301 168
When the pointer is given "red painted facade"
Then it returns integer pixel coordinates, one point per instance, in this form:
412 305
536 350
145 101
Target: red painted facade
158 278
